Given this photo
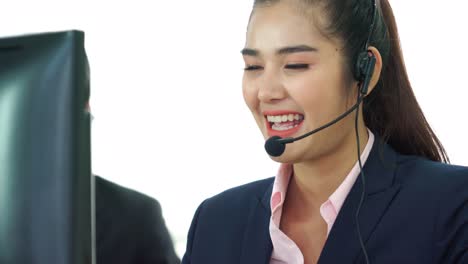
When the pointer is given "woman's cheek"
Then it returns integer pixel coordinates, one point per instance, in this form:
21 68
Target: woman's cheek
250 96
306 94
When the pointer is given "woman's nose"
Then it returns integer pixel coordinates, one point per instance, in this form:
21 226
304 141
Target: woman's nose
271 88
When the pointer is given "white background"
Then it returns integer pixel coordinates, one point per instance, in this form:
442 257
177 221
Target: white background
170 120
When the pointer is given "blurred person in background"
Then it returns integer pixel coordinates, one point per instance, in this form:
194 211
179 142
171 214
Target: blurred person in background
130 227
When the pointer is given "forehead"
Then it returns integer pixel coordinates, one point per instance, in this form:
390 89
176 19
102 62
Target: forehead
283 24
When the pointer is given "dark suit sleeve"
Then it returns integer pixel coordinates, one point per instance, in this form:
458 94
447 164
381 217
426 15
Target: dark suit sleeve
157 246
452 222
130 227
187 258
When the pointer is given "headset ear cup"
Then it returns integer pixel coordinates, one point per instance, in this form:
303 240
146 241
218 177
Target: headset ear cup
361 66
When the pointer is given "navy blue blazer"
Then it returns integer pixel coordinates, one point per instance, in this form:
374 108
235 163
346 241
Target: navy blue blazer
415 211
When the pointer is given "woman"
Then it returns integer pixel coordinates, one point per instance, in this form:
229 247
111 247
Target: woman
407 206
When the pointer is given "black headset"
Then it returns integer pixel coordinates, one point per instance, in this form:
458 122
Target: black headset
363 71
365 61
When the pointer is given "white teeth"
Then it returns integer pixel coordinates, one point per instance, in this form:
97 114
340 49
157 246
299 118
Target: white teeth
279 121
284 118
279 127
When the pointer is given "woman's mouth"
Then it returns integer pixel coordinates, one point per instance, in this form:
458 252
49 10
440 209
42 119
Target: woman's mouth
283 125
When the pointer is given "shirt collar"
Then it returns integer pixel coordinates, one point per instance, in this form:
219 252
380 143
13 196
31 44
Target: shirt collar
337 198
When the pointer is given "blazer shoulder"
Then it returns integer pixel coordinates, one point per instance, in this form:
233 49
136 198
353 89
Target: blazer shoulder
235 201
130 223
240 194
417 170
125 200
112 188
220 222
443 189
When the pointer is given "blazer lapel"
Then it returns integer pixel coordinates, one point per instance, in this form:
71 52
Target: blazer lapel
257 246
342 245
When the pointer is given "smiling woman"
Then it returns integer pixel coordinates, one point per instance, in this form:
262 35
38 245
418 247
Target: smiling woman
306 63
159 72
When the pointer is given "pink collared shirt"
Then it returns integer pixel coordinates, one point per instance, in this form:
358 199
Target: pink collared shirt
284 249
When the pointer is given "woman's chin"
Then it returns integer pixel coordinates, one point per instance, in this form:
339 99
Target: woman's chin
286 157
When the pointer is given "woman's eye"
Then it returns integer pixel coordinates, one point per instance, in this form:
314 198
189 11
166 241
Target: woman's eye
299 66
252 68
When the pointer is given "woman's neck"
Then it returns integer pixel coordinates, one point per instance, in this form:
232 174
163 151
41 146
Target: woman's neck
314 181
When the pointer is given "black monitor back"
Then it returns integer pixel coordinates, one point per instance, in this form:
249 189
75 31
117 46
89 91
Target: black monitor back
46 188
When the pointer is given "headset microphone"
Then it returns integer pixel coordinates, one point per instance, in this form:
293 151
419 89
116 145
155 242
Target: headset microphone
276 145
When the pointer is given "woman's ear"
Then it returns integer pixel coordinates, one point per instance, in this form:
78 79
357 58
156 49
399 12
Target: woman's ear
377 68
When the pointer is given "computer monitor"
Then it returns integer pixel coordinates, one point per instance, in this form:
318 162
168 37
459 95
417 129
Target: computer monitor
46 188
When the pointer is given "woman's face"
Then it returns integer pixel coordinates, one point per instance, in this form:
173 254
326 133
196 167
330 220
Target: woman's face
295 82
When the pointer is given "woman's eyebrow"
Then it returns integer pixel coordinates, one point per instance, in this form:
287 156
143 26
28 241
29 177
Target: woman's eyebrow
249 52
281 51
294 49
